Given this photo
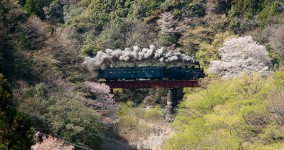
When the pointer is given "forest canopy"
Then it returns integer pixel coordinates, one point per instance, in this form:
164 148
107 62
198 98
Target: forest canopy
44 44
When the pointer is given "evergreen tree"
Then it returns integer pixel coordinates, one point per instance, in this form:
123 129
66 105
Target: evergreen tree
33 7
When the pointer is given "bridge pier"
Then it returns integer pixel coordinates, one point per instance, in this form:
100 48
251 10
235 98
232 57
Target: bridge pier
171 103
172 85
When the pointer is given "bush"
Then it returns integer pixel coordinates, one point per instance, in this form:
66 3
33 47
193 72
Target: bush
127 117
153 113
208 52
272 134
279 78
193 37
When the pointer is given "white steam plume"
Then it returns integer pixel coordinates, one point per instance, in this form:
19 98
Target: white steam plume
134 55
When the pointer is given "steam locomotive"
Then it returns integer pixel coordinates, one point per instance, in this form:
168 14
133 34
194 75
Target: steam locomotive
151 73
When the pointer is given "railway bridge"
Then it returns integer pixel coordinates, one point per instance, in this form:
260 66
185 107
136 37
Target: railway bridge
171 85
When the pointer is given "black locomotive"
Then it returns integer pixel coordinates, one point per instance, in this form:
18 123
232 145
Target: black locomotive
151 73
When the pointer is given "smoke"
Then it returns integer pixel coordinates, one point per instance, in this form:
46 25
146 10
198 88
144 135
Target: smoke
104 58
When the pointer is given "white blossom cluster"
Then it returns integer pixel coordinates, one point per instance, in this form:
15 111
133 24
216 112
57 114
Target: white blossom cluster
102 90
136 54
241 55
167 22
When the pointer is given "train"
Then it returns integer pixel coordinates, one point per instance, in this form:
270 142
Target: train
151 73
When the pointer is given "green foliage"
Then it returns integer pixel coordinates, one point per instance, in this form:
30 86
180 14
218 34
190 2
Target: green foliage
126 116
24 42
272 134
216 118
223 6
135 95
92 45
185 8
193 37
195 9
95 15
3 12
276 59
279 78
70 119
261 146
154 113
246 15
127 33
248 8
62 116
223 116
54 12
15 130
268 12
33 7
144 8
237 89
135 118
198 135
166 39
208 52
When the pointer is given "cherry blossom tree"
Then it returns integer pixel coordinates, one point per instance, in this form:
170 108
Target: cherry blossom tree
50 143
103 98
241 55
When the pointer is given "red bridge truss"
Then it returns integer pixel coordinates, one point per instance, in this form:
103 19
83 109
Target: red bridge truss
152 84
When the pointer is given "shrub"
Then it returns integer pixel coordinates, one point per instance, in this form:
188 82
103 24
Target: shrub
193 37
208 52
127 117
272 134
153 113
279 78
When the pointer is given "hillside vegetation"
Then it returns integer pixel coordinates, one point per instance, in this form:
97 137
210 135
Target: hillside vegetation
239 43
243 113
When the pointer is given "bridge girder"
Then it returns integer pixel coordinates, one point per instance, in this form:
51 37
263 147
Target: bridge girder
152 84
